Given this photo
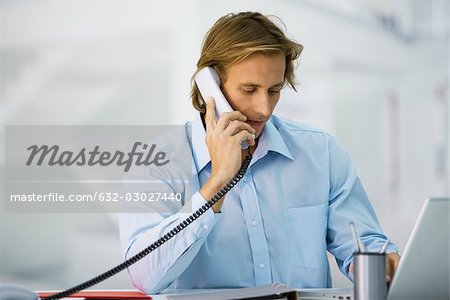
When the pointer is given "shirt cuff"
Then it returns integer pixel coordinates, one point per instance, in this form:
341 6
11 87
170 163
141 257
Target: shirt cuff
206 221
392 249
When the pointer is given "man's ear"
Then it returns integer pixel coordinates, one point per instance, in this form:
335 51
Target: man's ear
202 116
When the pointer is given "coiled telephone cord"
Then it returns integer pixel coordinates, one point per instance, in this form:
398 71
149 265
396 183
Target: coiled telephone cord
182 225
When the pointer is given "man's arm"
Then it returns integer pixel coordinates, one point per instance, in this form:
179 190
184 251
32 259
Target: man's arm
348 202
160 268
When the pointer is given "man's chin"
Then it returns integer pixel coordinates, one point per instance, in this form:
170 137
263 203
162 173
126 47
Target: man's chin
259 132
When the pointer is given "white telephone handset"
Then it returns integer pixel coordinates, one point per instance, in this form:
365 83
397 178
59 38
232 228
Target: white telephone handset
208 82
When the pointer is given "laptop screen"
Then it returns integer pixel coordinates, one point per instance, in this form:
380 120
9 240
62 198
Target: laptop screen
423 272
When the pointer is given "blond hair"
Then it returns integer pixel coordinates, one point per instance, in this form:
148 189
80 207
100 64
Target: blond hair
234 37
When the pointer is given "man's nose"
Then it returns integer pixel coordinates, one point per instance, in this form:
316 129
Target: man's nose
262 106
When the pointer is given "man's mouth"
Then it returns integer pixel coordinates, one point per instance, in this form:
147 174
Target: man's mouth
256 124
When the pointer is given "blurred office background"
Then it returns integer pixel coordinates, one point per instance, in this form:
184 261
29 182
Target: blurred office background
374 73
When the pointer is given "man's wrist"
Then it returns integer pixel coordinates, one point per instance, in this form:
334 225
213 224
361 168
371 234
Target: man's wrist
209 189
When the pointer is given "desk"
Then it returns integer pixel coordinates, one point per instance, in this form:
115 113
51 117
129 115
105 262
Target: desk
262 292
277 290
310 294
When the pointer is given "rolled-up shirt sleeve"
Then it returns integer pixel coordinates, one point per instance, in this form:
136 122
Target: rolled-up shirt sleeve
160 268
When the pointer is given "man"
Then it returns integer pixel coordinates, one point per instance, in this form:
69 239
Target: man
295 201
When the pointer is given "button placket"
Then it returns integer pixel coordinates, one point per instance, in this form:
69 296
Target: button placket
255 229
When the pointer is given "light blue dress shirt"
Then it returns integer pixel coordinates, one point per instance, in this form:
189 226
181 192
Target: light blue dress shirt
295 202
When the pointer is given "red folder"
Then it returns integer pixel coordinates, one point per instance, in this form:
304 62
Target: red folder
104 294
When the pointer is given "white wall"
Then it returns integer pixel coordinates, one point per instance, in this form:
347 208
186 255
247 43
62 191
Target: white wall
101 62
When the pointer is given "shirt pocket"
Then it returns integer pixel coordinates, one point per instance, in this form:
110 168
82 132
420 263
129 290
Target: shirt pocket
306 231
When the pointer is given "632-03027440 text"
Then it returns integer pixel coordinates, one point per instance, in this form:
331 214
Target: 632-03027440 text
97 196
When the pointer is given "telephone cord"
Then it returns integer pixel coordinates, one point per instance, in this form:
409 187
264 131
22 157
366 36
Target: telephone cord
182 225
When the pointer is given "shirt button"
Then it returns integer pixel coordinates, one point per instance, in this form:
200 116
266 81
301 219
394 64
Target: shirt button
254 222
261 266
205 226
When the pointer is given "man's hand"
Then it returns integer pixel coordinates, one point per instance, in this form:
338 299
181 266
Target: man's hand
224 138
392 260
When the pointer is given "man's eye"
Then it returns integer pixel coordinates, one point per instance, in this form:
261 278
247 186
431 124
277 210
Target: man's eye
273 92
248 92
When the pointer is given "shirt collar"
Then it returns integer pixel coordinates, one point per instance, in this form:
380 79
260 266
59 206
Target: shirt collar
200 151
270 140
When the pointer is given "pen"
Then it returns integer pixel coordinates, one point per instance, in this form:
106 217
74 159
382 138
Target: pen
385 245
355 237
358 243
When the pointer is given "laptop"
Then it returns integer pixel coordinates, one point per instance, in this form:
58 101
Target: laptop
326 294
423 271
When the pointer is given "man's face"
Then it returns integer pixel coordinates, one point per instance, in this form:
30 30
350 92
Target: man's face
253 87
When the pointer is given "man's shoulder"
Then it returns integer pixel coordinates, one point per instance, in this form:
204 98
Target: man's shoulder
284 125
173 138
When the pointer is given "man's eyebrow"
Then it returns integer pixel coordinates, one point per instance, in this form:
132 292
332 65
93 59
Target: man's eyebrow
280 84
249 84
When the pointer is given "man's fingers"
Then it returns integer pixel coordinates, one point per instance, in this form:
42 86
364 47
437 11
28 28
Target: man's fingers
210 116
236 126
246 136
227 117
389 272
